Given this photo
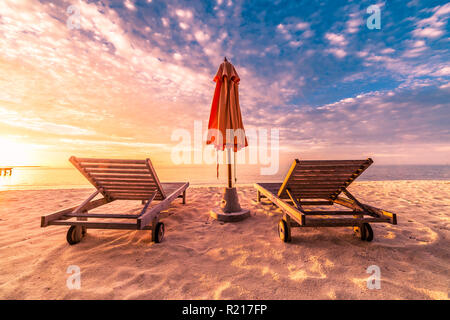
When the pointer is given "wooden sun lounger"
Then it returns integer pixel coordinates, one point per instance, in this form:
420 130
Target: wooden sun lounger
319 183
118 179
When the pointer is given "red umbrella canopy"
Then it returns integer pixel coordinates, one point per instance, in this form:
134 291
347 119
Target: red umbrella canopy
225 128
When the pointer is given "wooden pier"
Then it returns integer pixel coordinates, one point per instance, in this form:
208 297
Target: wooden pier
6 171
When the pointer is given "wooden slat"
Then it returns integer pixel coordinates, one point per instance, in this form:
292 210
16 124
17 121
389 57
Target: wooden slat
332 213
316 203
95 183
114 166
123 192
300 191
116 195
314 188
344 222
131 181
125 161
363 167
97 225
122 176
121 187
122 197
311 167
305 191
313 196
103 171
104 215
336 162
323 182
132 191
312 175
318 177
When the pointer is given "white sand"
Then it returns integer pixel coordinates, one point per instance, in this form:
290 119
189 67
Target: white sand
205 259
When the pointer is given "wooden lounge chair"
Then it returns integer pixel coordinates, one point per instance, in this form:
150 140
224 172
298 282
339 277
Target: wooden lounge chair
317 183
118 180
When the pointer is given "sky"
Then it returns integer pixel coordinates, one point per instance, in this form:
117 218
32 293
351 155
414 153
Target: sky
117 78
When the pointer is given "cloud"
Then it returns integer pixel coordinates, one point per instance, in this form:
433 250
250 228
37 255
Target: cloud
187 14
336 39
387 51
444 71
433 27
380 117
295 29
337 52
338 43
35 123
129 4
302 26
354 23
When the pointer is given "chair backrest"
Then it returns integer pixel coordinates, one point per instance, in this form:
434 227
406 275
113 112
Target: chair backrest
121 179
321 179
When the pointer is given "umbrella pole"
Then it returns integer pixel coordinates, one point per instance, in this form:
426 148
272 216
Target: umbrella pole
230 182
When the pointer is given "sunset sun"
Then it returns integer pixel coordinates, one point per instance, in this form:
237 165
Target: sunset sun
14 153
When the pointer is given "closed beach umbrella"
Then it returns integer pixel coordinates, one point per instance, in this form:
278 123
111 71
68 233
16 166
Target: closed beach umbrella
225 128
225 110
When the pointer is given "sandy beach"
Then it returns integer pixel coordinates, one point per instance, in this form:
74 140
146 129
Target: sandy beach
201 258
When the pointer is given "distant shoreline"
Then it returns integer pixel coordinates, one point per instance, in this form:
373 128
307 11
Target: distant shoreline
21 167
195 185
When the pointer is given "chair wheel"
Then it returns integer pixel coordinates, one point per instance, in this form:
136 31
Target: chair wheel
159 232
283 231
74 234
364 233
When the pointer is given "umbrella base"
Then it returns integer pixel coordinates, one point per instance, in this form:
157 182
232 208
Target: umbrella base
230 217
230 209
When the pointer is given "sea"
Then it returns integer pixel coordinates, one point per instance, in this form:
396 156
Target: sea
34 178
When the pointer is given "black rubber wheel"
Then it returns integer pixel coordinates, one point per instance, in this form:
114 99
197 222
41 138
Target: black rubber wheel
74 235
83 231
159 232
365 232
369 232
283 231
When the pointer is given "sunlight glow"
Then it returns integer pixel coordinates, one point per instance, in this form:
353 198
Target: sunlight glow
13 153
